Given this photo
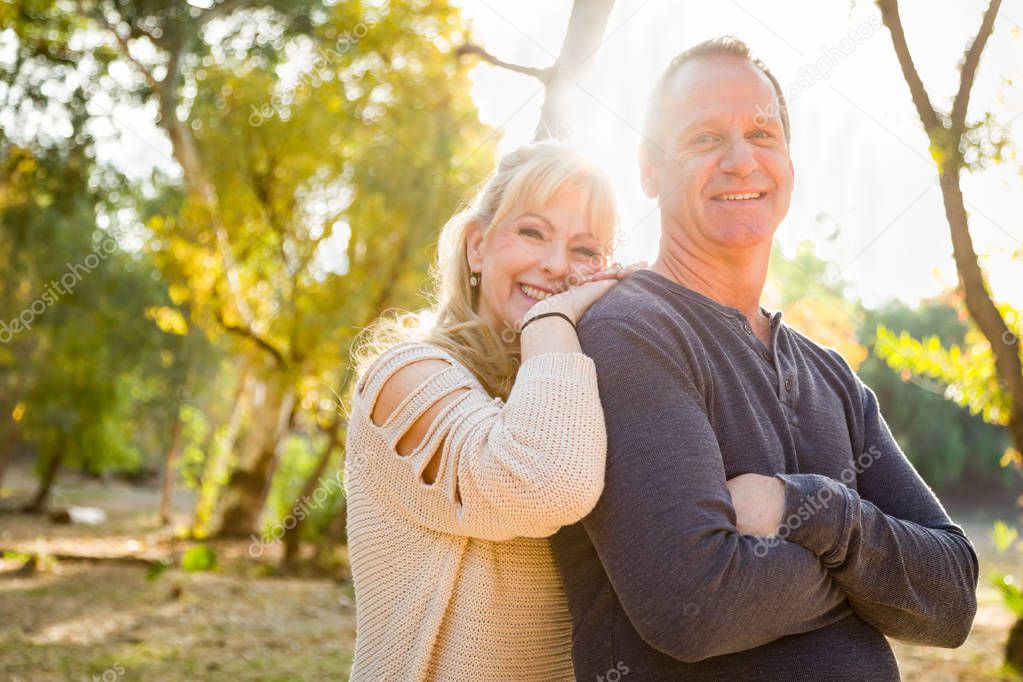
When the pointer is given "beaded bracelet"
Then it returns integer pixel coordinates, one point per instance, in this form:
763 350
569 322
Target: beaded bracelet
537 317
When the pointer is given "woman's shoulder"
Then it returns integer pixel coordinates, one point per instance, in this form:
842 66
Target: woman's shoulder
401 361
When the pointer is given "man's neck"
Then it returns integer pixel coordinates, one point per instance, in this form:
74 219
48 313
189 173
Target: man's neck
736 281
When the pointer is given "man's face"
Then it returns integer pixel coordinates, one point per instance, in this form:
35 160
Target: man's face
724 175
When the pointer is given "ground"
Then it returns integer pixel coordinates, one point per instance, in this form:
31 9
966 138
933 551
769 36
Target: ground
103 620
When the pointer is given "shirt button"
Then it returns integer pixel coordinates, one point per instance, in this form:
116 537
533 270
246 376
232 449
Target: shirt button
788 383
746 328
767 356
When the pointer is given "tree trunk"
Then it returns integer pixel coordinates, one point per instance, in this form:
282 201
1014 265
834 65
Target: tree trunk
946 139
10 441
586 27
1014 646
218 456
168 471
246 489
293 537
38 503
1005 345
583 36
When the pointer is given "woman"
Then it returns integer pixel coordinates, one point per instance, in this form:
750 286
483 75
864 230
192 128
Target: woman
469 447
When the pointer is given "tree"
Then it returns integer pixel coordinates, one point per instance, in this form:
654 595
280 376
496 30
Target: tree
84 369
946 442
321 146
586 25
957 145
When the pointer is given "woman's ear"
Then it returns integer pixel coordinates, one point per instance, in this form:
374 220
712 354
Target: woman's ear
473 244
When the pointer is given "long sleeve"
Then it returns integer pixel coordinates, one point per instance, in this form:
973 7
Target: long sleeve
520 469
905 567
691 585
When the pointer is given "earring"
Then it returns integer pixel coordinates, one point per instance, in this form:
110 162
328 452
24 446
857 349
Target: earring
474 279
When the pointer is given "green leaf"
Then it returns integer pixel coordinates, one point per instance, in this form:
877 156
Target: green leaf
1012 596
198 558
156 569
1003 536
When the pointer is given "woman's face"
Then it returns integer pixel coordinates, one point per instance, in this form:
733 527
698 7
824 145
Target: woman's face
531 254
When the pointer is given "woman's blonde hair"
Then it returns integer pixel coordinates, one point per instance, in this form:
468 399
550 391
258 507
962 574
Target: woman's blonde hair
527 178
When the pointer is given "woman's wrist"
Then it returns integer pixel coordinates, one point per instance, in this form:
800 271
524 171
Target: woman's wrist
554 315
543 307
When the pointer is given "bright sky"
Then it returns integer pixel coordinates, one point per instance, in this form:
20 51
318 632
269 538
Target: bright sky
861 159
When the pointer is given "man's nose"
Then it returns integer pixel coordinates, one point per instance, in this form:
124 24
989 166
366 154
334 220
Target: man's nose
738 159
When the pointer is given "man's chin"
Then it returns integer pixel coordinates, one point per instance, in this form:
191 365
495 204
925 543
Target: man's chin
743 235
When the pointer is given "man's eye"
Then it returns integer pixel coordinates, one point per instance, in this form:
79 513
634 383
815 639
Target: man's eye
761 134
703 139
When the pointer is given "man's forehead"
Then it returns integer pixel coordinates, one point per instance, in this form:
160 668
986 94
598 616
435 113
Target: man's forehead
711 86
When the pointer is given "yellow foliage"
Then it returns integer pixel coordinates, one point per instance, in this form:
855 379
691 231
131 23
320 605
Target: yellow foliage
1011 456
826 323
169 320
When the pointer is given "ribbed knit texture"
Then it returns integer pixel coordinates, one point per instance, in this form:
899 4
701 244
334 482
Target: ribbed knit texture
455 580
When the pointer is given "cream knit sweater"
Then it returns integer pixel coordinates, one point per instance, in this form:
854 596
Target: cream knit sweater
455 580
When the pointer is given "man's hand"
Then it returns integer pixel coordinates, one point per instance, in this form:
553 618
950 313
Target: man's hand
759 503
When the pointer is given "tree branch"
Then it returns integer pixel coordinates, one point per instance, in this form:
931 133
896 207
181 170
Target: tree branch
890 17
968 69
247 333
543 75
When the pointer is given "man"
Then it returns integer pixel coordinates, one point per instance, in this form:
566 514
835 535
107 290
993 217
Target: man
758 520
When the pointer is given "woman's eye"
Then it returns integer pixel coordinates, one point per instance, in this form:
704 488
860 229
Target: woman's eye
588 253
531 232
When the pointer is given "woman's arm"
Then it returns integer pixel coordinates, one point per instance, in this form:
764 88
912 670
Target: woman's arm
462 462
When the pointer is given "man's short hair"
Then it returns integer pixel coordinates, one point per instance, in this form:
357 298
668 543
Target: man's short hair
725 45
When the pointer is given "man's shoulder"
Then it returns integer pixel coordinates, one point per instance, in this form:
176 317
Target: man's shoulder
639 322
637 298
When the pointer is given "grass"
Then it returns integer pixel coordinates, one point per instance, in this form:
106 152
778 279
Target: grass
75 620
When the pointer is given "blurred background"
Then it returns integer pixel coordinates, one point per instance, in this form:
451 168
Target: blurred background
203 203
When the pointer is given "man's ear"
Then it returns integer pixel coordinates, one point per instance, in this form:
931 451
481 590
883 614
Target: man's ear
473 242
649 172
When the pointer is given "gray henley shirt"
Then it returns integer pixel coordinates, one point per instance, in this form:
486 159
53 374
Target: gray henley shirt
660 583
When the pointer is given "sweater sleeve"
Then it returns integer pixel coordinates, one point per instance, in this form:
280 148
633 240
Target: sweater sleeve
665 529
520 469
905 567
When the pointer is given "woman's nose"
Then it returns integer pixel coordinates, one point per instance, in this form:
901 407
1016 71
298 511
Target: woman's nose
555 261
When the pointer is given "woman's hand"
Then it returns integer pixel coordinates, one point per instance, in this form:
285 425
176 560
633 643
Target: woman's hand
578 298
759 503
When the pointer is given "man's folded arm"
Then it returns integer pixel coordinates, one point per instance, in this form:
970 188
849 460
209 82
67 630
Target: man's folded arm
664 528
905 567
